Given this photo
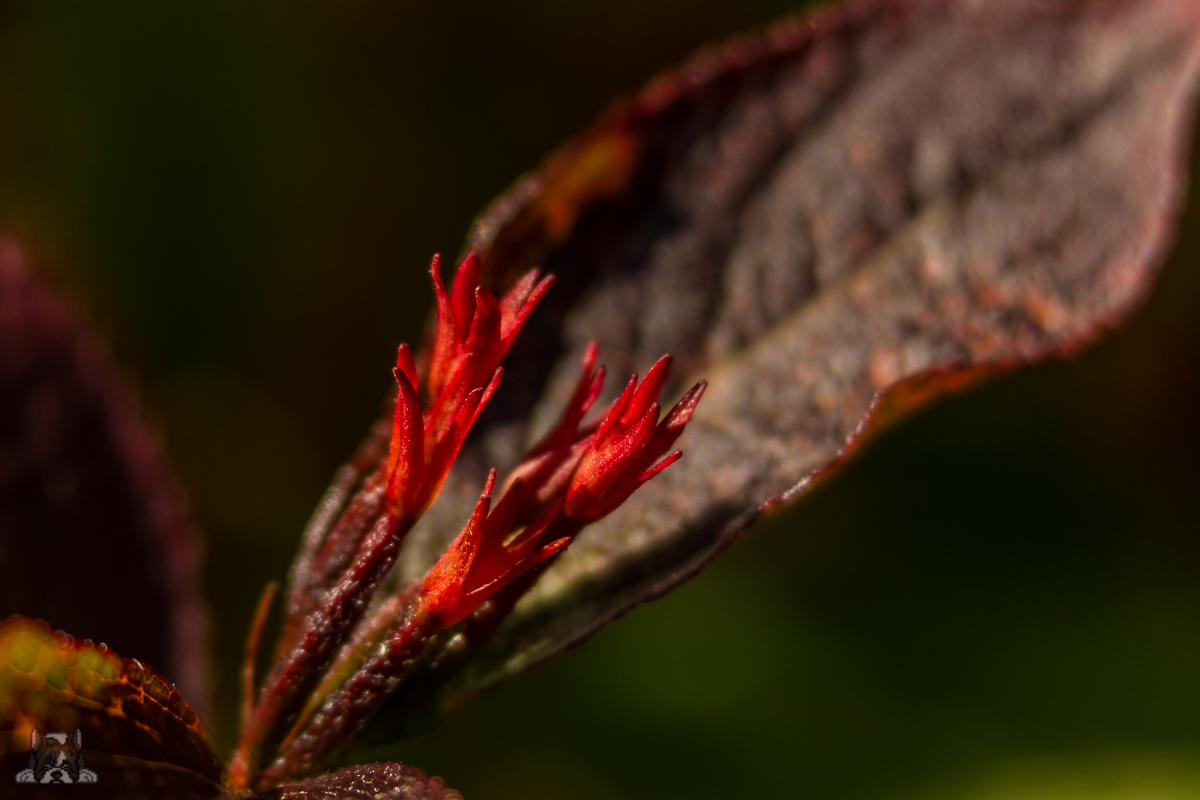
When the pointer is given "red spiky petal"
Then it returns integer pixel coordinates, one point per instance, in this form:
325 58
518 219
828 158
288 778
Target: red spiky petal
617 410
647 392
406 456
607 461
514 314
466 283
445 339
549 463
406 364
626 443
442 587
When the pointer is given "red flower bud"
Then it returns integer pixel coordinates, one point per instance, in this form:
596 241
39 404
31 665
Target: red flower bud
473 333
616 460
566 481
333 666
547 467
483 558
471 321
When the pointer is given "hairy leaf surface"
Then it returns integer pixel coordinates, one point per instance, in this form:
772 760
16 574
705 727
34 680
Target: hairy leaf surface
834 222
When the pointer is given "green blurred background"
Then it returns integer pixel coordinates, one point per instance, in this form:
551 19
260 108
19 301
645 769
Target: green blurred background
1000 599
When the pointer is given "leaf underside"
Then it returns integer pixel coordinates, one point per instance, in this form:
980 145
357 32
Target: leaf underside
834 222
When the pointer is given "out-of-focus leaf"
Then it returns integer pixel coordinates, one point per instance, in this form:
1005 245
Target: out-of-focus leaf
834 222
369 782
140 736
93 535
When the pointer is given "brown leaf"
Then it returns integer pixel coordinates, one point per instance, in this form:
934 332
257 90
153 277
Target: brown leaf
886 197
139 735
93 534
369 782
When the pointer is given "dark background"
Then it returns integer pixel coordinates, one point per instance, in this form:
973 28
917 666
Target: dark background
999 599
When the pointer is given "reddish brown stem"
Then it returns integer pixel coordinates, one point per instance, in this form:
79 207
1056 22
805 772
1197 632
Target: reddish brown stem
344 711
330 511
331 559
327 629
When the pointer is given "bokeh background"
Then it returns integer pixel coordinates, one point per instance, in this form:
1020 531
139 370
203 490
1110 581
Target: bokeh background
999 599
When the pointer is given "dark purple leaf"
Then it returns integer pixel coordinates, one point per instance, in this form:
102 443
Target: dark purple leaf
94 537
387 781
859 209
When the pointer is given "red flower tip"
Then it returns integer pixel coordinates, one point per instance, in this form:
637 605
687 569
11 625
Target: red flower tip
569 479
548 465
406 365
483 558
613 458
470 320
648 391
466 284
676 420
628 441
518 304
406 454
473 333
442 587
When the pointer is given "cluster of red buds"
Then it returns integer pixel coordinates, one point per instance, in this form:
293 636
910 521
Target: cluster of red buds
334 663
